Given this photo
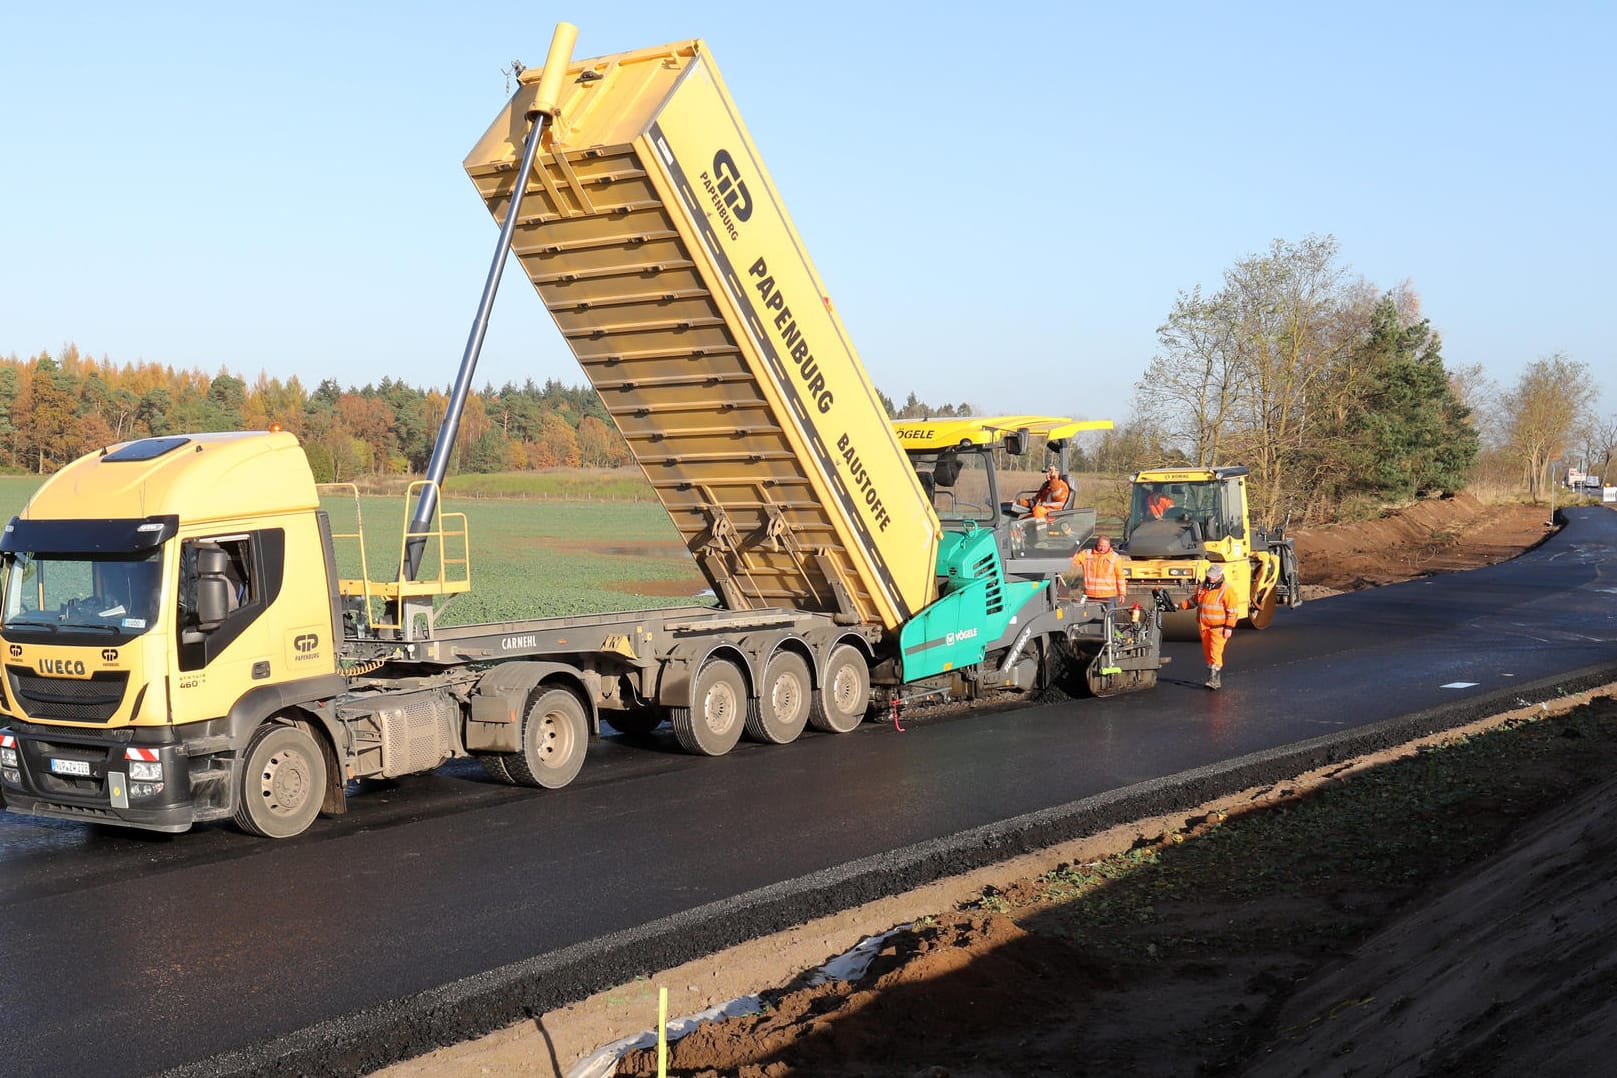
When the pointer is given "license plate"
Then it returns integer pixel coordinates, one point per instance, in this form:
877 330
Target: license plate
71 767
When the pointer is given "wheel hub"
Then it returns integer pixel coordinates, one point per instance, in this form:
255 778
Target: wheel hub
285 782
719 708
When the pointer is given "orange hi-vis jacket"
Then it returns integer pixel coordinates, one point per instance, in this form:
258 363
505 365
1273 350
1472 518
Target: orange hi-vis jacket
1215 606
1103 574
1157 504
1052 495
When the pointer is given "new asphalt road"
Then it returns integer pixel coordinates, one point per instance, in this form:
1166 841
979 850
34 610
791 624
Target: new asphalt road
446 905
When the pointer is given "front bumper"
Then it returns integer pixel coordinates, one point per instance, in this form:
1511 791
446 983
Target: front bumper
91 781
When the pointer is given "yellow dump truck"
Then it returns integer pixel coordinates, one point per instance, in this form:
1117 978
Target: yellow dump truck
658 243
180 646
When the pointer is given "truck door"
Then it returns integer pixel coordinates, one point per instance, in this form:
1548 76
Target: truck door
225 645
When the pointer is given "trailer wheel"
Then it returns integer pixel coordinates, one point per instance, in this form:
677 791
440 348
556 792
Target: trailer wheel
784 703
844 692
283 782
555 736
712 725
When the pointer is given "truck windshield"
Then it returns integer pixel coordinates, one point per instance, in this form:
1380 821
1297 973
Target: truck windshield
107 594
960 482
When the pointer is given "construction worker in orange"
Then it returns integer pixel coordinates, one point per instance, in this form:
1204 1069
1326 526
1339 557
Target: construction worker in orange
1214 603
1157 503
1052 495
1102 568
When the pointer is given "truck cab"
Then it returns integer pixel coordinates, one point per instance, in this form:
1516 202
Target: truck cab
194 599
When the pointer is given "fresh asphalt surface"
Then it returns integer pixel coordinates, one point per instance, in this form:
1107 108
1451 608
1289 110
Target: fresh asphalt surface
445 905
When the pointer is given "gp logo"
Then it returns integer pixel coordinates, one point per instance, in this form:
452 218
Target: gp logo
110 654
731 189
304 643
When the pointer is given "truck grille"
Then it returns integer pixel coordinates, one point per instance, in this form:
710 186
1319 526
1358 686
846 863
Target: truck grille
92 699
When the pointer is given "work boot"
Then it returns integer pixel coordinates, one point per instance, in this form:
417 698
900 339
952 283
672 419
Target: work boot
1213 679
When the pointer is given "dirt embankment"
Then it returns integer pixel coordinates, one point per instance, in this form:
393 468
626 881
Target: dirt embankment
1436 909
1437 535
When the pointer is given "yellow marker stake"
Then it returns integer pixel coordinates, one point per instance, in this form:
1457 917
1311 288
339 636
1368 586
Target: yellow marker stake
662 1032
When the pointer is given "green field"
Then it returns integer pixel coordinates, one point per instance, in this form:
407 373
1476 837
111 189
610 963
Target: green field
529 558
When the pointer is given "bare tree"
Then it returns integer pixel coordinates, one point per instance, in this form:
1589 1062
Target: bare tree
1239 372
1287 304
1544 412
1481 395
1600 445
1188 390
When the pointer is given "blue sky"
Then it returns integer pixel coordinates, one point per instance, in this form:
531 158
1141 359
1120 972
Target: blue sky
1003 203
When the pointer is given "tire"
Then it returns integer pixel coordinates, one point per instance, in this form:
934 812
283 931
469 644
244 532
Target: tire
282 782
784 702
712 725
555 737
844 694
494 764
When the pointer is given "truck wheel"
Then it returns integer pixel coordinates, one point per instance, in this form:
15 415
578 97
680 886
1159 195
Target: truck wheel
844 692
712 725
494 764
555 736
784 703
283 782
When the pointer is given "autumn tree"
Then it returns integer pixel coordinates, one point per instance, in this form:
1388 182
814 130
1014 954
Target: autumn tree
596 443
52 424
271 402
370 420
1544 412
557 444
53 408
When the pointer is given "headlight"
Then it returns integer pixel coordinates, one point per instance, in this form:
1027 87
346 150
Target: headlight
140 771
8 758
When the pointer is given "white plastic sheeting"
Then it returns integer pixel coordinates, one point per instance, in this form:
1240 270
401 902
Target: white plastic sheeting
848 966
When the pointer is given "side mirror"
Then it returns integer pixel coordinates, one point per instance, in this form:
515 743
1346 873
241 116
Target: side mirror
213 588
1016 442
